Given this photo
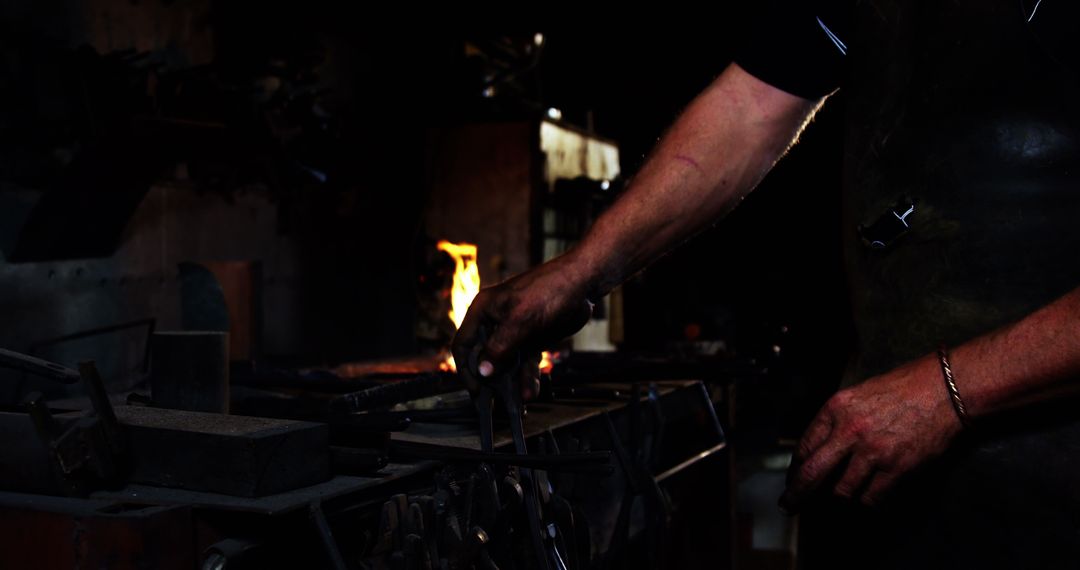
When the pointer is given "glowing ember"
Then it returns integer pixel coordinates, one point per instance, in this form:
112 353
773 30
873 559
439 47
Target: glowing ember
547 361
464 289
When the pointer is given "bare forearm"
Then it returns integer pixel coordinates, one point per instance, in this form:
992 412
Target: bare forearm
717 151
1030 360
878 430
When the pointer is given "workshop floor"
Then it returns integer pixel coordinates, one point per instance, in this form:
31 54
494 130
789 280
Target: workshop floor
767 537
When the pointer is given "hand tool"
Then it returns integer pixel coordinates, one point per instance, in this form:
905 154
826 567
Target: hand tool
505 388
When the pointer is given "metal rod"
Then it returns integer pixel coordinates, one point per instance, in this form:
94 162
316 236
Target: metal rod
691 461
38 367
511 397
329 544
395 392
99 399
597 461
149 323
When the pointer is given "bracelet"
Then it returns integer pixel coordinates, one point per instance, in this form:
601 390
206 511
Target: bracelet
950 384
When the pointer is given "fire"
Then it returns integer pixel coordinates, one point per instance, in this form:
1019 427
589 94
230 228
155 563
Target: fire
464 289
546 361
466 279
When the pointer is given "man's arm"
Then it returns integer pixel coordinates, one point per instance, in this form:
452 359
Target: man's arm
892 423
715 153
720 148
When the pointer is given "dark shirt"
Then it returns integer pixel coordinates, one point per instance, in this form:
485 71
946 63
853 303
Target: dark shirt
970 111
798 46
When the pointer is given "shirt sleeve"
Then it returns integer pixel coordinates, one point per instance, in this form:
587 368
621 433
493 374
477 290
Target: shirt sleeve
798 46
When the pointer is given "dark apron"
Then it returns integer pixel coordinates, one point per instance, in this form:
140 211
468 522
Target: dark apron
971 114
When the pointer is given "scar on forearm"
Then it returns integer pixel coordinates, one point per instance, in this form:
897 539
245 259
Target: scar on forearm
690 161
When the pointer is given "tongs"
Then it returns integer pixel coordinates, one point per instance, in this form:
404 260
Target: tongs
505 388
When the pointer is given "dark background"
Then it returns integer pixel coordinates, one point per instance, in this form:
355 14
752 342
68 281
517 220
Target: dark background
299 130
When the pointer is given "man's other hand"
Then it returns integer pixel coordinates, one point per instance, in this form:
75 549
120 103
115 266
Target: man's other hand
868 436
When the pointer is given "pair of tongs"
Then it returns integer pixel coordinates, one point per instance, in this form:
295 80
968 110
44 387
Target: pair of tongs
505 388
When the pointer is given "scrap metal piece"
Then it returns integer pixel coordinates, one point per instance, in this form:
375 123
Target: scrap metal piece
83 450
395 392
38 367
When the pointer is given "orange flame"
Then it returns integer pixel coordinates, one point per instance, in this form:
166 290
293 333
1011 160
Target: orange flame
466 279
547 361
464 289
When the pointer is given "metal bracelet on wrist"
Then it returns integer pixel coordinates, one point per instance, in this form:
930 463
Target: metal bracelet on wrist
950 384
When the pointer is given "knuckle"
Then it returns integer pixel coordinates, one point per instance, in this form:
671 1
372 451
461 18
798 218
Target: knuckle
518 313
808 471
496 348
859 427
807 444
878 451
900 463
873 456
501 303
838 402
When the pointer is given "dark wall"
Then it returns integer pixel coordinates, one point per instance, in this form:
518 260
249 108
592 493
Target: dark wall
279 135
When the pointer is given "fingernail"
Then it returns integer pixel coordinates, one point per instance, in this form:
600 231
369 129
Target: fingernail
486 369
